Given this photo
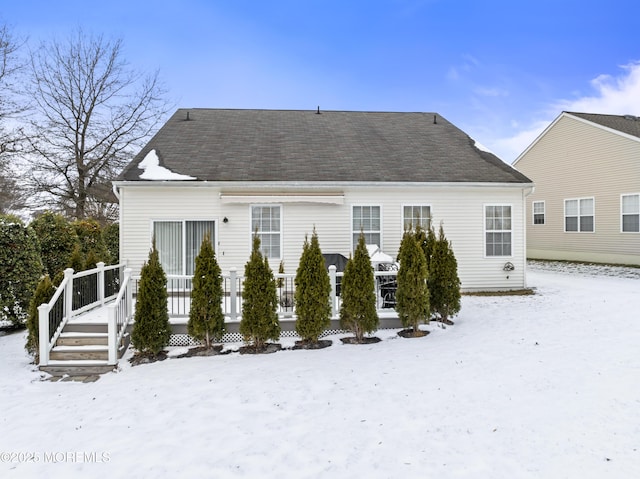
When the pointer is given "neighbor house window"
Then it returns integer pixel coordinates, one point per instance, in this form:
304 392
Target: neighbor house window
266 223
178 243
579 215
412 216
497 230
538 212
366 219
630 213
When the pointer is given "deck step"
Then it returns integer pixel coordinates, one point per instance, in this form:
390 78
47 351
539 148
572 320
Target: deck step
89 327
73 353
77 368
82 339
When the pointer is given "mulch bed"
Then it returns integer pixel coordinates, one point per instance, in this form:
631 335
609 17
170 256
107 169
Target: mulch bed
214 350
268 348
140 358
365 340
410 333
320 344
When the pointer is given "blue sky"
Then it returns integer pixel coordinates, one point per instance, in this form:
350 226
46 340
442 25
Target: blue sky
500 70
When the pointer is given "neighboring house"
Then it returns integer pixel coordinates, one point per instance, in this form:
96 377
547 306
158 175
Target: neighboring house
586 203
281 173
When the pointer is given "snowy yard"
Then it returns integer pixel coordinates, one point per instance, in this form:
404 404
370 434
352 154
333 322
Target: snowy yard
542 386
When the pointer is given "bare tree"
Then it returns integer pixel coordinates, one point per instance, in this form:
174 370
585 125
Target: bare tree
11 194
93 112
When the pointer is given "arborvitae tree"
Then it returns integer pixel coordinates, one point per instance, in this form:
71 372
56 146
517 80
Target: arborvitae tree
43 294
76 261
57 239
313 289
91 240
358 309
111 239
151 329
412 295
444 283
91 261
280 281
206 319
20 268
427 241
259 321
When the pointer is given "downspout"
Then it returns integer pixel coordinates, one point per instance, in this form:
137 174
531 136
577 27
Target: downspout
525 193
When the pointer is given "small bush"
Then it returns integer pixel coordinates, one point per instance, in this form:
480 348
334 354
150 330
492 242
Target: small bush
358 309
206 320
313 290
259 321
43 294
151 329
412 295
444 283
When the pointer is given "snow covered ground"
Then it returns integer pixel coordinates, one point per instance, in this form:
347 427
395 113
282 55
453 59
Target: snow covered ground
541 386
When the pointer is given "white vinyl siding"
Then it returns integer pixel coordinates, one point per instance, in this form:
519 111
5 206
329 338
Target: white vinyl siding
579 215
538 212
266 223
178 243
630 213
459 208
366 219
576 159
498 238
414 215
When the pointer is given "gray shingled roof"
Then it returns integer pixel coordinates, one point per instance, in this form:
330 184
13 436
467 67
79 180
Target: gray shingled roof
628 124
333 146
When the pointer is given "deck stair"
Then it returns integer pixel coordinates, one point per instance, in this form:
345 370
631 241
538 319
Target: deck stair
82 350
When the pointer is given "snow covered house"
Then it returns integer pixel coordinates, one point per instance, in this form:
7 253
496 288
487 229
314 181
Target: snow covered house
586 204
281 173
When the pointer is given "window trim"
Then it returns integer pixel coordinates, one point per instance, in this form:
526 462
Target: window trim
184 221
533 213
352 232
421 205
622 213
251 232
485 231
564 226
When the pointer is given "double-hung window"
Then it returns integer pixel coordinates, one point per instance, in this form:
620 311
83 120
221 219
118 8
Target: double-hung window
266 223
498 230
579 215
538 212
178 243
414 216
630 210
366 219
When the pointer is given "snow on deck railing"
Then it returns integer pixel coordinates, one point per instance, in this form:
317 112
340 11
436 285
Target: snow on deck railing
179 291
77 293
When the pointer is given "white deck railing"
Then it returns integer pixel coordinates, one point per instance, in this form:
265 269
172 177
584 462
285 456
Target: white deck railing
77 293
179 289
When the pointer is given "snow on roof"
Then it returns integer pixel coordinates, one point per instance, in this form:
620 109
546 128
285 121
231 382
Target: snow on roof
481 147
153 170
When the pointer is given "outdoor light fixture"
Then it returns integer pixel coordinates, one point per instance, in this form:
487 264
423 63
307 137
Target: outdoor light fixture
225 220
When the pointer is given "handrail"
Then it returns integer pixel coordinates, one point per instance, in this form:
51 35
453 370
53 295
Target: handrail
119 316
49 331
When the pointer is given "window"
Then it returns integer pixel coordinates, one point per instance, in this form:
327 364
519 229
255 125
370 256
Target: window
630 207
265 222
367 220
538 212
416 215
178 243
578 215
497 230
